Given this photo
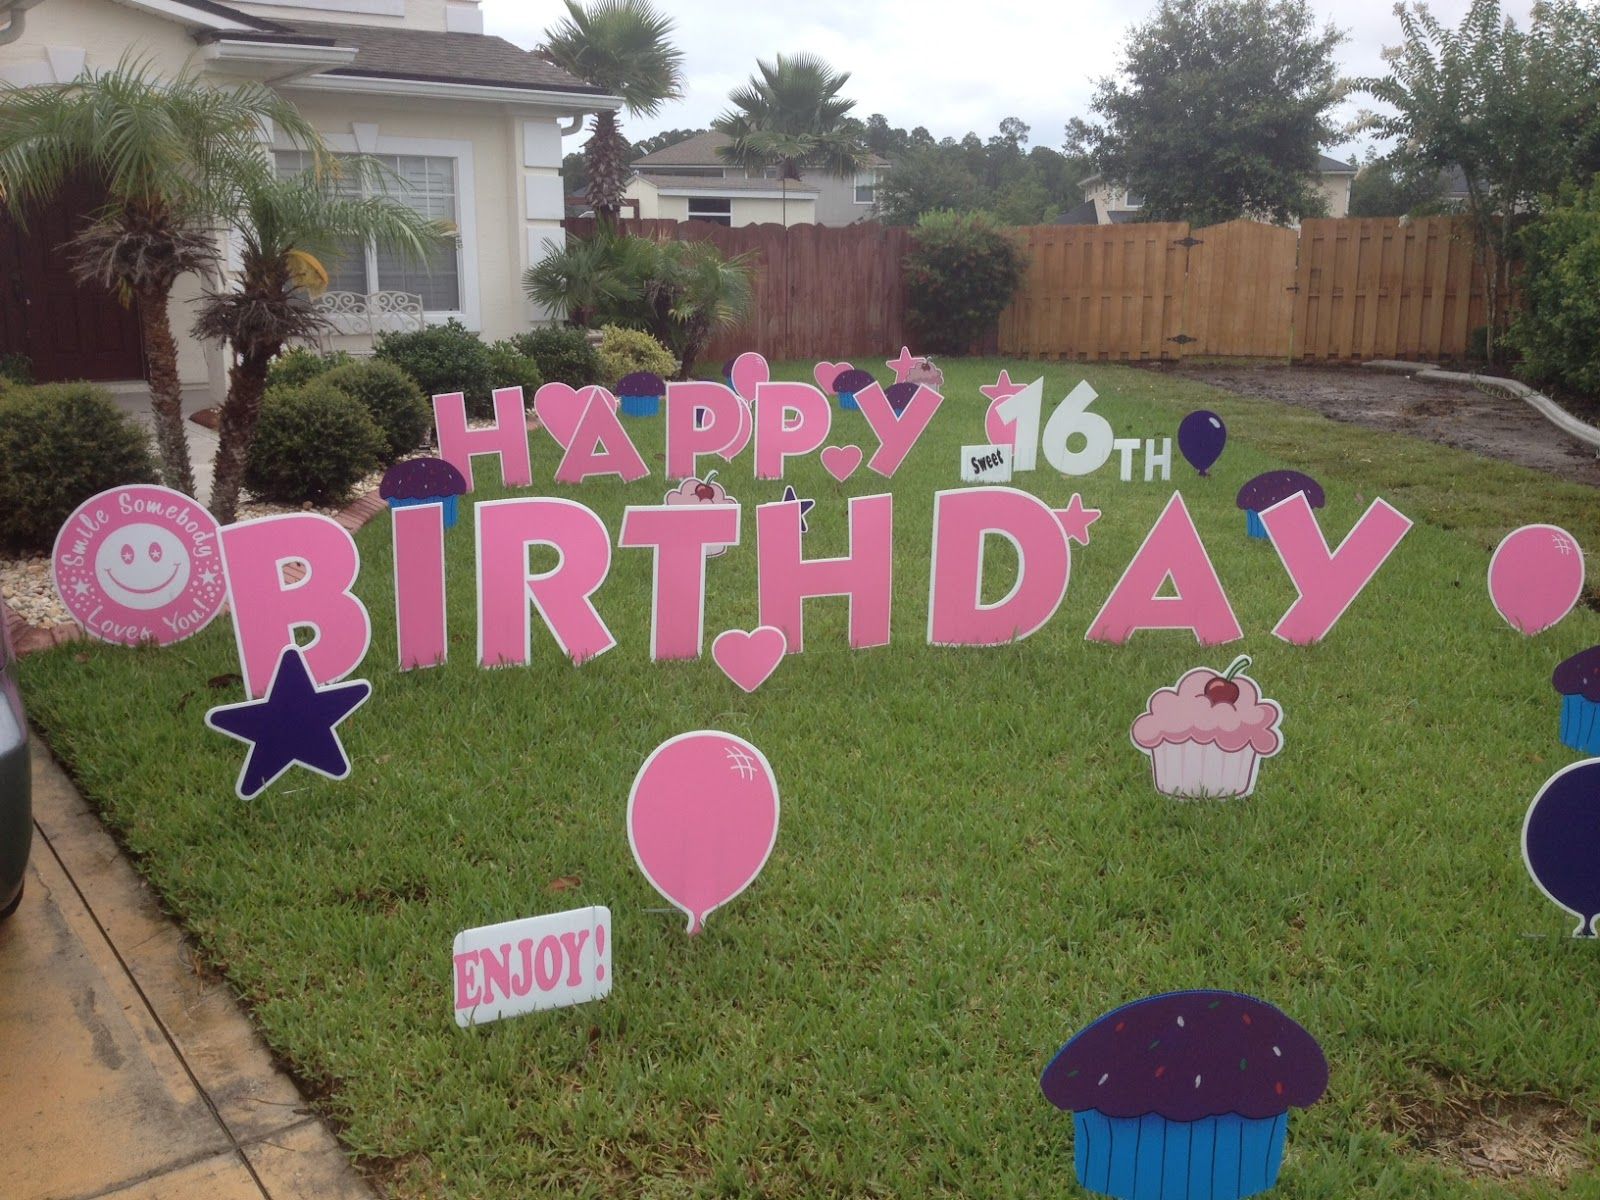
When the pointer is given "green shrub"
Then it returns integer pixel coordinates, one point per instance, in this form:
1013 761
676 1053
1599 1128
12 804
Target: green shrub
301 365
392 399
624 351
60 444
1558 329
312 443
960 276
16 368
564 355
513 368
445 358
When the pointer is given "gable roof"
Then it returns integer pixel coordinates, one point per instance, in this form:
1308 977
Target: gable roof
701 150
424 56
1332 166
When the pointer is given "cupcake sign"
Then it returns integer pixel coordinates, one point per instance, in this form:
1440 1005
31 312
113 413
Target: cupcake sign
1185 1096
1206 736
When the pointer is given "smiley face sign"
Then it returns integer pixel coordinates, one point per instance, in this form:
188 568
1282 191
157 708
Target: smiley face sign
138 564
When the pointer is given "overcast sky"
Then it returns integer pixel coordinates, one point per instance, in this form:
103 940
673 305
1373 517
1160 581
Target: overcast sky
950 66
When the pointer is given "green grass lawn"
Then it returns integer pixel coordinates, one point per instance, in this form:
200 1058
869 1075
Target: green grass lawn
972 862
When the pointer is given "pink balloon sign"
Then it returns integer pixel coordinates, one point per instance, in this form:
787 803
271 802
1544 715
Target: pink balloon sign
702 819
1535 577
140 564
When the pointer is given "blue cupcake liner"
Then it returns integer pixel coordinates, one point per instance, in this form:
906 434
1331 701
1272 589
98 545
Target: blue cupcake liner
640 406
847 402
1253 525
1580 724
451 506
1151 1158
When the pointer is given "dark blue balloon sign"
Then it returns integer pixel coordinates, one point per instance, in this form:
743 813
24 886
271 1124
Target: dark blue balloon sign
1202 437
1561 842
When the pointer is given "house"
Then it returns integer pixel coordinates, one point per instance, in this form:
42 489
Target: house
470 124
690 181
1105 203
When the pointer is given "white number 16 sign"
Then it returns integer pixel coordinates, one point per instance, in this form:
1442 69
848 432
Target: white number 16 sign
1072 416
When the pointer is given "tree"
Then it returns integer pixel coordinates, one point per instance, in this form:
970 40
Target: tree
623 48
1515 111
1219 112
285 228
791 116
1385 187
166 152
926 180
693 291
594 281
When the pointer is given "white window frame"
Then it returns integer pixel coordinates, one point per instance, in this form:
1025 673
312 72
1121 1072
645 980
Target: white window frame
714 218
872 182
470 313
1128 202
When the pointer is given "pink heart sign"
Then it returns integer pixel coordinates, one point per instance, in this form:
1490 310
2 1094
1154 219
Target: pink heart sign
841 461
559 407
750 658
826 372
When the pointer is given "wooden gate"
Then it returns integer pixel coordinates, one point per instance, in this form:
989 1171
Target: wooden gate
1099 292
1239 296
1381 288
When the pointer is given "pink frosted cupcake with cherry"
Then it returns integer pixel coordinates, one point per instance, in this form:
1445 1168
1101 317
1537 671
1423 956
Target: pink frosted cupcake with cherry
1206 736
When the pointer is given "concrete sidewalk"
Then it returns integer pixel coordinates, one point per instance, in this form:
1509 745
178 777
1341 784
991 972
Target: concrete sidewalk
124 1071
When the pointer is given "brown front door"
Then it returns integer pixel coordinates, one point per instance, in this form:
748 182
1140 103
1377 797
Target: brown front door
67 330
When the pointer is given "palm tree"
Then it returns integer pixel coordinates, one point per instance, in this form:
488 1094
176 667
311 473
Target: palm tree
791 116
590 279
163 150
621 47
695 291
284 228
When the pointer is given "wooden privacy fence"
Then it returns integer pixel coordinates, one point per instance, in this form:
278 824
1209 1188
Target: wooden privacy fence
1339 289
1336 289
820 291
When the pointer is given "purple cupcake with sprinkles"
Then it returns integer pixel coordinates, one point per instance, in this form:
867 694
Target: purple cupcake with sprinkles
416 481
1578 681
1185 1095
640 393
846 384
1262 492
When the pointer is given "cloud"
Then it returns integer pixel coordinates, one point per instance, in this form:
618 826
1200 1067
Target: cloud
952 67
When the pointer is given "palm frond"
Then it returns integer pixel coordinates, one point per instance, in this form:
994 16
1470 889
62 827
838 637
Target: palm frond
622 46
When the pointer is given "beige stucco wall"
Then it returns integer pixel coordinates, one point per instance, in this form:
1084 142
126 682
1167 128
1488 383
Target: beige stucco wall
752 210
1336 190
405 14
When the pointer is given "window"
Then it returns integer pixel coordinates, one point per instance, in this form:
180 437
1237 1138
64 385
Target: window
718 211
1132 199
866 188
426 183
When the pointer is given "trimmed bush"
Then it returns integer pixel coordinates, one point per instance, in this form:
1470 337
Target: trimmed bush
627 351
312 443
16 368
563 355
512 368
392 399
1558 329
445 358
300 366
60 444
960 276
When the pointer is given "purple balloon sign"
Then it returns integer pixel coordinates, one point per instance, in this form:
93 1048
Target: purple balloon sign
1561 842
1202 438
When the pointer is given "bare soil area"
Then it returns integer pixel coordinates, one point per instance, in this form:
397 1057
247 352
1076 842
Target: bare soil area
1449 414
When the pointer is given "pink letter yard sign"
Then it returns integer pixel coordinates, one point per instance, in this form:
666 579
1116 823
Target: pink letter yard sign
533 964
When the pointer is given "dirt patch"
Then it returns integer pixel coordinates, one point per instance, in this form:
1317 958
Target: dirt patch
1496 1137
1449 414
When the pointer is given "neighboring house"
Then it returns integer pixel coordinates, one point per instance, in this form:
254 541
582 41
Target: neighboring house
1107 204
691 181
470 124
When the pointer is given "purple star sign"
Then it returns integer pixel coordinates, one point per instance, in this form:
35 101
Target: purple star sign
789 497
293 723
